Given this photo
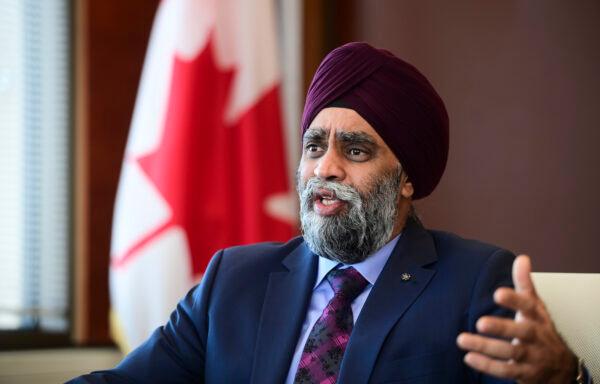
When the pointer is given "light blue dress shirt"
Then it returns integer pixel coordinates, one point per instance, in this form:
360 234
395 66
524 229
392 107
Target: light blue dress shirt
323 293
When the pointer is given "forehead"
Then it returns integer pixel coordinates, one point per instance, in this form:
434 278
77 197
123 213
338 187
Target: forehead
336 120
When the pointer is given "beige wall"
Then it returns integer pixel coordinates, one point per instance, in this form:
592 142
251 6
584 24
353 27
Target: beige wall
522 86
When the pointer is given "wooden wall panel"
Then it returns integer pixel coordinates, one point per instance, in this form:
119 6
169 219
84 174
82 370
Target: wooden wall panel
327 25
115 37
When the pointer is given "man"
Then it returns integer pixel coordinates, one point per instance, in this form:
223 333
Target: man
367 295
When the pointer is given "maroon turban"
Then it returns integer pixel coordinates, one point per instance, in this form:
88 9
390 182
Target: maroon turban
395 99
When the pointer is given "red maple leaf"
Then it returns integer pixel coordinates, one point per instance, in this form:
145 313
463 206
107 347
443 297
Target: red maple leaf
214 176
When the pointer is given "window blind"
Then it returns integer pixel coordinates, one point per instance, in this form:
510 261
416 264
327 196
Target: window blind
34 165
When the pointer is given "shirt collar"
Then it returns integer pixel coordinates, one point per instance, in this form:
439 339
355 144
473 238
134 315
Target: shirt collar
370 268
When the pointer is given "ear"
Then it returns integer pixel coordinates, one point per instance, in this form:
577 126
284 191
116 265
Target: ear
407 190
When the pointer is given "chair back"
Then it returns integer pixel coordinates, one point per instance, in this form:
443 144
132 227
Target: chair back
573 300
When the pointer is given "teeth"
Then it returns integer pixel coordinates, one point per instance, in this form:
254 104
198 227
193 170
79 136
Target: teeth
328 201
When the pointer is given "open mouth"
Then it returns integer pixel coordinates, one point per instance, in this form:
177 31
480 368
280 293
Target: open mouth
326 202
325 196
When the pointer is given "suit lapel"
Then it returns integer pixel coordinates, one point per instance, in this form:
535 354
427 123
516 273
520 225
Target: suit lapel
284 309
390 297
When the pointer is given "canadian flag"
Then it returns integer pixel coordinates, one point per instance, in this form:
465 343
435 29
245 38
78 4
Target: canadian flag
205 164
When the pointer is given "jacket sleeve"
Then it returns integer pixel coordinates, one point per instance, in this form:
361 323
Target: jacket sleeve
496 272
175 352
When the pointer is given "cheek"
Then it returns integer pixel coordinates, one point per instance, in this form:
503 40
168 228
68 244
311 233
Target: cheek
306 170
367 180
364 187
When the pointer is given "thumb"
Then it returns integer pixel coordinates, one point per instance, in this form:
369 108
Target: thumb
521 274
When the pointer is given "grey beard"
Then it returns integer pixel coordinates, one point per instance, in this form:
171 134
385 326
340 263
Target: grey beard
351 236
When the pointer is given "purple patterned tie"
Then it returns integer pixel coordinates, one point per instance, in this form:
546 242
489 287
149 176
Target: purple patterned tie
324 349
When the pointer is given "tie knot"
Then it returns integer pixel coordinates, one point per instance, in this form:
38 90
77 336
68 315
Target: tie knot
347 283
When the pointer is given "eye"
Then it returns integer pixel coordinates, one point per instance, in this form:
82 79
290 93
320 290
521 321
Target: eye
358 154
313 150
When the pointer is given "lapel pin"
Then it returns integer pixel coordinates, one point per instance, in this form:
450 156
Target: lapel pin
405 276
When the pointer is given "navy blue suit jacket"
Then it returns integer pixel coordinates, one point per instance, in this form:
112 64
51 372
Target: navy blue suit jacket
242 323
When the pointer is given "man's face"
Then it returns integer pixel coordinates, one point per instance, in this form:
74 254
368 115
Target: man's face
350 184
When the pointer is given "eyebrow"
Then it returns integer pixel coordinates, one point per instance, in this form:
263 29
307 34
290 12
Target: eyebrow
356 138
320 135
315 134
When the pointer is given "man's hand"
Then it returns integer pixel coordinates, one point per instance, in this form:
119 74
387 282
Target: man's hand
529 350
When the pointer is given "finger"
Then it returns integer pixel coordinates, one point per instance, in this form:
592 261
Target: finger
521 274
498 368
522 302
506 328
499 349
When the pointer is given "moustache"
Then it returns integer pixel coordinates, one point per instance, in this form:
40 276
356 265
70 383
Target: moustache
316 189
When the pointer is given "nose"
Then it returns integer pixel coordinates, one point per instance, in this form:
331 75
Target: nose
330 166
